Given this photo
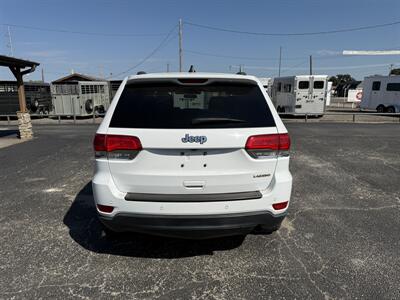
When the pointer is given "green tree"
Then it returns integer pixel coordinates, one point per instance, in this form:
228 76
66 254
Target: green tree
341 79
395 71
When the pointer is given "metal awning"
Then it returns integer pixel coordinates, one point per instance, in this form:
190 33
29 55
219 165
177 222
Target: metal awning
19 67
8 61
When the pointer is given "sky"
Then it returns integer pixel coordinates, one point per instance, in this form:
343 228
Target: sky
106 38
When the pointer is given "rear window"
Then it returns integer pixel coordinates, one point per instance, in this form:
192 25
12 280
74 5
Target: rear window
304 85
170 105
376 85
393 87
318 84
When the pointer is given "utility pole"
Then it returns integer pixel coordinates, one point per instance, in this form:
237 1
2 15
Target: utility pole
42 75
167 67
310 64
10 41
180 46
280 61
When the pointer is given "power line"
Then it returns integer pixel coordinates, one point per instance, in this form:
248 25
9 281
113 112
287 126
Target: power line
265 58
294 33
285 70
84 32
239 57
164 42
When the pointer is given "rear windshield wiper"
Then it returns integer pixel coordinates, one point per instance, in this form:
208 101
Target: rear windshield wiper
198 121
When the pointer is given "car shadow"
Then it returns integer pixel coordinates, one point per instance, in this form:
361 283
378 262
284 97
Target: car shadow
86 230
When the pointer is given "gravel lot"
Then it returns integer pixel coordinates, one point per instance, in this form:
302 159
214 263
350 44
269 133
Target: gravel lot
340 239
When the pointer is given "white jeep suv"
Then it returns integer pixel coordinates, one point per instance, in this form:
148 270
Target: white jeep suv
193 155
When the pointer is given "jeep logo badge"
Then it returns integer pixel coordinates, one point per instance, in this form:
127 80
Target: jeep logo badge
194 139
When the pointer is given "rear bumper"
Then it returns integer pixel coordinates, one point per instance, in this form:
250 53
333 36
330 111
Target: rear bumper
193 226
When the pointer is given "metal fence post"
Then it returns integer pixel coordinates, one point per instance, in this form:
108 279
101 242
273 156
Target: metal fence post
94 117
354 118
8 120
305 120
59 119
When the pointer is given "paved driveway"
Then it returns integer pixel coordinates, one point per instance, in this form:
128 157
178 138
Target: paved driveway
340 239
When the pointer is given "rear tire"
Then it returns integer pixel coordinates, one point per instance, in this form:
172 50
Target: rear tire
380 109
390 110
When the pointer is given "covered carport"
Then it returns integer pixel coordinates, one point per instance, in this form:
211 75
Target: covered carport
19 68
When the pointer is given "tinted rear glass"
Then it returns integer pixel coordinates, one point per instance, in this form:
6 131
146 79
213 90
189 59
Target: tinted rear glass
376 85
303 85
393 86
318 84
169 105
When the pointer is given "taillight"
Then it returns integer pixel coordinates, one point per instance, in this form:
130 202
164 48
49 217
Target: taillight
268 145
116 146
105 208
280 205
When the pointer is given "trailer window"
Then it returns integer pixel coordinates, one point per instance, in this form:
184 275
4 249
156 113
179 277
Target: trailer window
287 88
304 85
319 84
376 85
279 87
394 86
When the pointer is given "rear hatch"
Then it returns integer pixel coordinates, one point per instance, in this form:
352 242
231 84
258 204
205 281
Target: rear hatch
193 136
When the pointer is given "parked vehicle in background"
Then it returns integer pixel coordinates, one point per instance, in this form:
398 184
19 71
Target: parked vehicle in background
328 93
80 98
301 94
267 84
37 94
113 87
381 93
354 93
193 155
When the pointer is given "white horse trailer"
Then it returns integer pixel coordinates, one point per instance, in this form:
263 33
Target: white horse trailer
381 93
301 94
81 98
267 84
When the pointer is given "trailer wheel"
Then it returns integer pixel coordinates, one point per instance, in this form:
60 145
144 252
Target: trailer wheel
390 110
33 106
380 109
100 109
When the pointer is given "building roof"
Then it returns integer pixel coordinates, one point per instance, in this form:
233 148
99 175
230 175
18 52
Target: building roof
74 77
8 61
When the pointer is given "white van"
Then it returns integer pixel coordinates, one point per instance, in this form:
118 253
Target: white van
381 93
300 94
192 155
